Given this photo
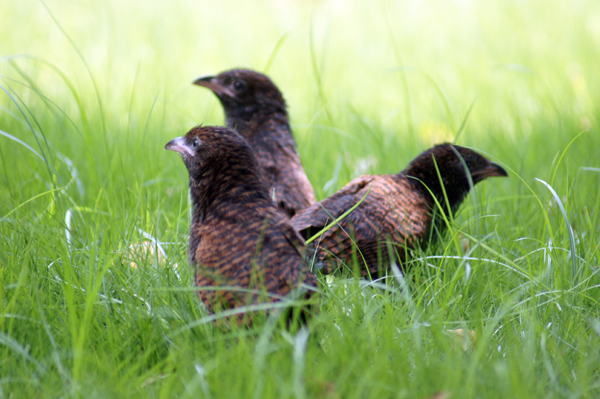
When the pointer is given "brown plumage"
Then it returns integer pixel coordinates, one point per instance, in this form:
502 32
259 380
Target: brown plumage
398 210
255 108
238 237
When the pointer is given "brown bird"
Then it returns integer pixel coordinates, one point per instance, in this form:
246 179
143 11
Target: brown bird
255 108
398 213
238 238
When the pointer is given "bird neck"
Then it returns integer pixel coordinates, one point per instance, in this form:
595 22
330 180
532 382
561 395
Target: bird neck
438 189
217 192
246 120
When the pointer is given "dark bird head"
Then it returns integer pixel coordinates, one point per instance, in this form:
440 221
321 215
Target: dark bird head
450 161
245 95
221 165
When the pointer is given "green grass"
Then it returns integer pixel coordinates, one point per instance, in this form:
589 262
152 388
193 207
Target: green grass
95 89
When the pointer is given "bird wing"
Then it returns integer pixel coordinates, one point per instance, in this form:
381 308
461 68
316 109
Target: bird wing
391 212
266 252
317 216
282 252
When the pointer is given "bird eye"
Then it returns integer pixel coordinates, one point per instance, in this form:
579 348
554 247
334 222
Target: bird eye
239 85
195 143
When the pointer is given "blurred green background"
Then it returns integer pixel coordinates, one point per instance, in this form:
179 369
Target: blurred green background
355 74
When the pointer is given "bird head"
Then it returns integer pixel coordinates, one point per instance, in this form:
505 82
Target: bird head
244 93
214 151
459 169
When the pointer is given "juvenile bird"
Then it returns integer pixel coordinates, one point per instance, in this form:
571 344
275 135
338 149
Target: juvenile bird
238 238
255 108
399 209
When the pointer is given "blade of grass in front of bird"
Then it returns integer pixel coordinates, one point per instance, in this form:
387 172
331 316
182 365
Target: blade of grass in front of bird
341 217
469 178
449 217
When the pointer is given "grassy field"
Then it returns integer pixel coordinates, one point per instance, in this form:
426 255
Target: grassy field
91 306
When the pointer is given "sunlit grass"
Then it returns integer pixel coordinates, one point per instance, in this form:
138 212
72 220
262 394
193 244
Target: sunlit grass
95 289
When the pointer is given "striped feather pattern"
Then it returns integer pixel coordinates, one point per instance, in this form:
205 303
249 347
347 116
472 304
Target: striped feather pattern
396 214
244 250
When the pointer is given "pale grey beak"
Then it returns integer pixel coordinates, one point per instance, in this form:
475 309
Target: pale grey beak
211 82
181 146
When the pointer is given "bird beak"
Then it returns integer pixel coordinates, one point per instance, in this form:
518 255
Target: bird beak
179 144
211 82
493 169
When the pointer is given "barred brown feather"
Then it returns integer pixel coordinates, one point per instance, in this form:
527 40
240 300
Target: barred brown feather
238 237
396 215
